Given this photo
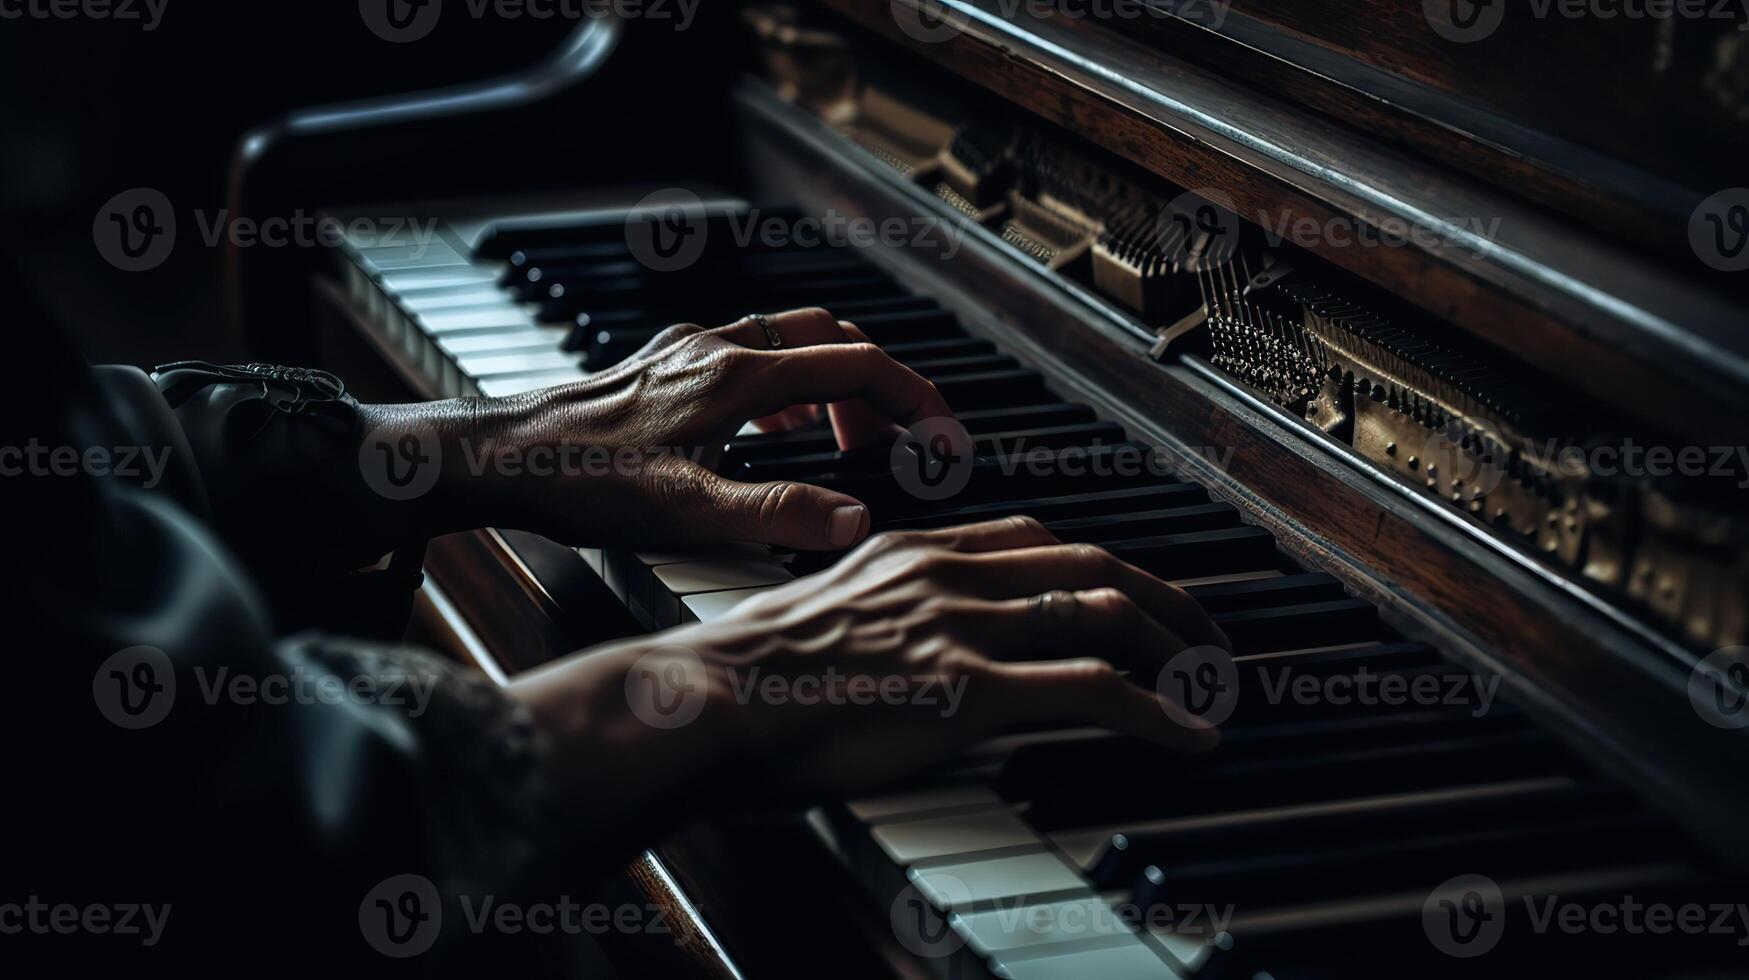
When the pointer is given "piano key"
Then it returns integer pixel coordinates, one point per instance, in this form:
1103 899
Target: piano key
932 799
513 340
483 366
966 885
1286 627
819 438
908 326
710 606
1126 853
1171 520
878 459
910 841
1066 784
481 296
1020 386
1130 960
408 281
1270 592
1064 507
487 319
691 578
1082 921
517 384
1198 552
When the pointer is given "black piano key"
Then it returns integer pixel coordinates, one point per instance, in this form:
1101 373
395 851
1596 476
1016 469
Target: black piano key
931 350
1344 823
1159 495
819 438
993 389
1171 520
878 459
1097 780
908 326
1199 554
946 367
1284 590
1318 871
706 303
1292 627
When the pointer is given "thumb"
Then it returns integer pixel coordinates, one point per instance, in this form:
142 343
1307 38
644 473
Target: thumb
786 514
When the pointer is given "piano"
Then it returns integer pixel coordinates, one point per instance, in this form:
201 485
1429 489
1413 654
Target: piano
1322 311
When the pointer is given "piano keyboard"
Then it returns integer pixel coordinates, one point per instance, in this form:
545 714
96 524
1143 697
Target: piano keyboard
1310 844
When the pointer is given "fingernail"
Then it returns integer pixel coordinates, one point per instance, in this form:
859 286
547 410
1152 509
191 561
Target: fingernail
846 522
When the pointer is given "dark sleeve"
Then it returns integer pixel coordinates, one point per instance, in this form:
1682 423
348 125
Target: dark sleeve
277 452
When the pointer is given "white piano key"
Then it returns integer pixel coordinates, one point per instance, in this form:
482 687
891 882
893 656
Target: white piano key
727 550
1082 920
400 283
484 366
879 808
512 339
911 841
951 887
521 383
455 298
501 317
691 578
711 606
1130 960
411 255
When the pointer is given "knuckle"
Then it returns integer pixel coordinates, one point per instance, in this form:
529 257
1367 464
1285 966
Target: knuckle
1089 555
887 542
1095 673
770 499
1108 601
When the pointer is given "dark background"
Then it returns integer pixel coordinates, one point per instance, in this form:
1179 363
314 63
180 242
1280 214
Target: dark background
94 107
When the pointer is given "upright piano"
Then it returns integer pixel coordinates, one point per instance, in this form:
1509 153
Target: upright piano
1428 321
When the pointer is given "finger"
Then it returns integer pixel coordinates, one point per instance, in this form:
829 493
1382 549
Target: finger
1027 572
1102 619
794 328
1004 534
838 372
785 514
793 417
1068 692
855 423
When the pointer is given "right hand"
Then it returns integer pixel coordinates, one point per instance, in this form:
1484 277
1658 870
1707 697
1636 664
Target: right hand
914 615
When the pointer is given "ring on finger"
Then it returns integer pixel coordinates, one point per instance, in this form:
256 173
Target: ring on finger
1058 605
772 337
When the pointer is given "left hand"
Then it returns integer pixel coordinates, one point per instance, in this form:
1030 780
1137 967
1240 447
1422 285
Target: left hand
625 457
